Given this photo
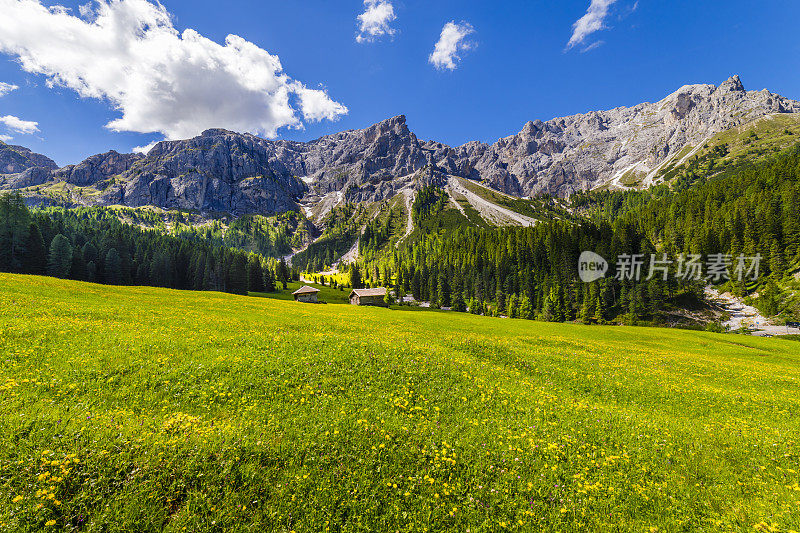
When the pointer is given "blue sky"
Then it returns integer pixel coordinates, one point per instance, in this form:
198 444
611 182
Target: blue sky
517 67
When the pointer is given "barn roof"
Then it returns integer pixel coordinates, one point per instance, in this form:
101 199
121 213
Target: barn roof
306 290
379 291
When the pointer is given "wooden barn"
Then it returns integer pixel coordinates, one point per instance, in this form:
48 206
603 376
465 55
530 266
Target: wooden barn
306 294
368 297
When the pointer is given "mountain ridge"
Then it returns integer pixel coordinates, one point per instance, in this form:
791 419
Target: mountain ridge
225 171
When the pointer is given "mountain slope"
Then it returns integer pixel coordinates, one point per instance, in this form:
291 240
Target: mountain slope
583 152
241 174
14 159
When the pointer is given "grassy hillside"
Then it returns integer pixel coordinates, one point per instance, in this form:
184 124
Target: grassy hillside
142 409
739 146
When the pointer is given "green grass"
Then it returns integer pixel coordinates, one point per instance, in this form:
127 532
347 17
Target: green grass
142 409
326 294
744 144
536 208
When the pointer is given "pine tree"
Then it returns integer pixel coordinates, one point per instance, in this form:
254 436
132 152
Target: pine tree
112 267
512 307
255 274
587 308
525 308
91 272
59 260
35 256
355 276
655 293
77 270
500 299
237 275
776 263
443 291
269 280
161 270
458 297
90 253
14 226
433 291
282 273
599 309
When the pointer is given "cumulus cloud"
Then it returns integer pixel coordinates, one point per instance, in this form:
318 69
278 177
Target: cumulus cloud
373 23
452 41
145 149
12 123
128 53
593 21
6 88
17 125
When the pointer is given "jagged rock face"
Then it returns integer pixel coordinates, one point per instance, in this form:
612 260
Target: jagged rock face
582 152
31 177
239 174
367 165
97 168
15 159
217 171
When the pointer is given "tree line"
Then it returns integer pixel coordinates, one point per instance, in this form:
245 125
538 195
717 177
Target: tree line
752 210
94 245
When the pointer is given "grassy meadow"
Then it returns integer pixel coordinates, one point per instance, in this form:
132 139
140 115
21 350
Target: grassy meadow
143 409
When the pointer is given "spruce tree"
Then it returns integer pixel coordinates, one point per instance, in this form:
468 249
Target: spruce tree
269 279
500 299
443 291
525 308
237 276
78 269
91 272
35 256
282 273
59 259
14 226
355 276
112 267
255 274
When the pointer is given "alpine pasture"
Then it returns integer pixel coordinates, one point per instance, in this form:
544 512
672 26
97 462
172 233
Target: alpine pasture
144 409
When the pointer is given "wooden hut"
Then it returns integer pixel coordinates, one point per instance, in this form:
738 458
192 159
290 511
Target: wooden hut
368 297
306 294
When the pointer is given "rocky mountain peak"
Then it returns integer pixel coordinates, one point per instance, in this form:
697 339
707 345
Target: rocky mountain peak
220 170
14 159
216 132
732 84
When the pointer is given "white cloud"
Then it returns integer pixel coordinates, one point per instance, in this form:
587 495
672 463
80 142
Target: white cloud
451 43
17 125
128 53
591 22
12 123
374 21
145 149
6 88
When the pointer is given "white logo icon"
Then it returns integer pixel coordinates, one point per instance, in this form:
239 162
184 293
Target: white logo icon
591 267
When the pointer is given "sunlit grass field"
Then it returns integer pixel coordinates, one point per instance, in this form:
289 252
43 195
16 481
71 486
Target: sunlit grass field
142 409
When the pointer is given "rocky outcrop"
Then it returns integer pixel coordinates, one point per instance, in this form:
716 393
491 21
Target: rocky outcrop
97 168
585 151
15 159
241 173
217 171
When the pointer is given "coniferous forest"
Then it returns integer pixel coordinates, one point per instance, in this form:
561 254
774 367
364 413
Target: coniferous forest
750 210
92 244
